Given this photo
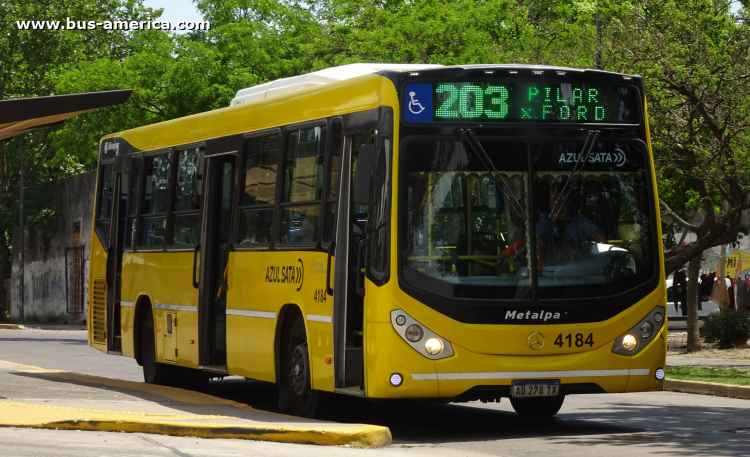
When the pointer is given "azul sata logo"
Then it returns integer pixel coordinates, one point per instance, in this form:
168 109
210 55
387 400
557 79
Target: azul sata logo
617 157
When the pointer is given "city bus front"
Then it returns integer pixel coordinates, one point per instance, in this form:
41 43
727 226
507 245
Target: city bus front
527 243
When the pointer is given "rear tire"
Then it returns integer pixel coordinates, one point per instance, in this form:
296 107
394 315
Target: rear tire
295 374
153 371
537 408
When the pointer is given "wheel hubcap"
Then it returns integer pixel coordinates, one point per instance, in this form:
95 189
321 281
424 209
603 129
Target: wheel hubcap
298 371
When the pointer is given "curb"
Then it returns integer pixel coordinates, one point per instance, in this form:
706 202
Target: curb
66 418
707 388
12 327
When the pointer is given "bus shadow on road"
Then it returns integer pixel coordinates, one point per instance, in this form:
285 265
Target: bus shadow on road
666 429
686 430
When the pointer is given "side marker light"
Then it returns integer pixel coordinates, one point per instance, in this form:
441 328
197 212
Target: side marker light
396 380
659 375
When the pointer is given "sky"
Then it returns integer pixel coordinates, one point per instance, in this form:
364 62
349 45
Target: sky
176 10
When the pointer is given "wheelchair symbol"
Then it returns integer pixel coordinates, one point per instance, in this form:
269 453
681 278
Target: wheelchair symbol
415 103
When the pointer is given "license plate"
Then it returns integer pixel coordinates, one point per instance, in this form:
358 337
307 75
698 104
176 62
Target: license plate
535 388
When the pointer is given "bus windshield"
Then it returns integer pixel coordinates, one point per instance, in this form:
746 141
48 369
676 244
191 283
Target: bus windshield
468 231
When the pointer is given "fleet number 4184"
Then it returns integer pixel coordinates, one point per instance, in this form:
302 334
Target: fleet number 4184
578 340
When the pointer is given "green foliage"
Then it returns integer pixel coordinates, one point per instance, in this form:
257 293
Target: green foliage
693 54
733 376
727 327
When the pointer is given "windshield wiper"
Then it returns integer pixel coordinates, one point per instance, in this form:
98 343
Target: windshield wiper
588 146
476 146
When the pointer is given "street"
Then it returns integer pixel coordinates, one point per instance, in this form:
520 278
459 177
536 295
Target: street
656 423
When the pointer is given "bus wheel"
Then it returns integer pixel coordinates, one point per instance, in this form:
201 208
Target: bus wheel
537 408
153 371
303 400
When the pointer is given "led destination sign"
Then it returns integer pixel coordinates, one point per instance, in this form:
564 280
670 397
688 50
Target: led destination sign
522 102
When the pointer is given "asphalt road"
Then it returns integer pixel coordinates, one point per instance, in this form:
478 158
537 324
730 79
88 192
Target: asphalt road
656 423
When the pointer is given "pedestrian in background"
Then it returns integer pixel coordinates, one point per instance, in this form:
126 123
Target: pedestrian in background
679 281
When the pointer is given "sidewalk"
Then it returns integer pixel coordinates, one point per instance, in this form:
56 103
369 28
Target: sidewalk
39 398
699 387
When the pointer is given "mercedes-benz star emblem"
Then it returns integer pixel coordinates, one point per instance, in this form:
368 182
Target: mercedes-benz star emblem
536 341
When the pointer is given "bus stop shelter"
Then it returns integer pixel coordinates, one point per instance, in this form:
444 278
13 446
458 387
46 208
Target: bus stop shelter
18 116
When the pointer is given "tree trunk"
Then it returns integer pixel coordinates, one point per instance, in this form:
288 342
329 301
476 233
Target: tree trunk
4 250
4 304
693 330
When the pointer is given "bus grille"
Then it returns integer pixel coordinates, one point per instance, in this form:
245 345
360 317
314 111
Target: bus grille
99 311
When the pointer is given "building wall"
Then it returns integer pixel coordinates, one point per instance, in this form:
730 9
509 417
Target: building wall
50 270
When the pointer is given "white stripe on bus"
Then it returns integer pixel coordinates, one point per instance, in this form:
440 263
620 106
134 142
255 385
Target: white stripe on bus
246 313
176 307
527 374
319 318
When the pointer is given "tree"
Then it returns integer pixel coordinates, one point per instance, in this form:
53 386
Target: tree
32 61
695 58
454 33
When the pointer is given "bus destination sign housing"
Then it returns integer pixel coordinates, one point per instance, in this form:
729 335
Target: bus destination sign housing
526 102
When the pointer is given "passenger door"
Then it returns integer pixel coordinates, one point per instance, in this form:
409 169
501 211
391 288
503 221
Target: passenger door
214 261
348 282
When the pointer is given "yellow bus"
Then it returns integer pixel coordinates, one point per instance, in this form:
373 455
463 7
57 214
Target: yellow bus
390 231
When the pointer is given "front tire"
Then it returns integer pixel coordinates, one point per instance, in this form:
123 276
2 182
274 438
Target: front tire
296 380
537 408
153 371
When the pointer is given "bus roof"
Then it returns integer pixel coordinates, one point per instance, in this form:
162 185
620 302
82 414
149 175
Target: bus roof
318 78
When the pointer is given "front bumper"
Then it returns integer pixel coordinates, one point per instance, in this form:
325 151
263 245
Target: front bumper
598 370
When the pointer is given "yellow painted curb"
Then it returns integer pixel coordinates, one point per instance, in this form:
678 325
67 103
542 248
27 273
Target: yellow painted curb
16 414
707 388
12 327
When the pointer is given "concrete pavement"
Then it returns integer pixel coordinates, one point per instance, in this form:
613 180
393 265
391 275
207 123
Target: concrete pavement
707 388
36 397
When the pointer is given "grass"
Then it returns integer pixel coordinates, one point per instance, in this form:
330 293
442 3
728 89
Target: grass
734 376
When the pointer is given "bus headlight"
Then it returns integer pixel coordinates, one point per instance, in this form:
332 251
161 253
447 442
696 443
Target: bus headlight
433 346
629 342
414 333
639 336
646 329
419 337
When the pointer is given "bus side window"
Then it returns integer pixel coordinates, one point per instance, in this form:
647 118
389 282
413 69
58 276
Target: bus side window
380 209
188 199
258 195
359 212
303 185
105 203
153 220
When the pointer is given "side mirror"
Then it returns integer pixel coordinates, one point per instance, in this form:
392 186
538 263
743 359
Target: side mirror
363 177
